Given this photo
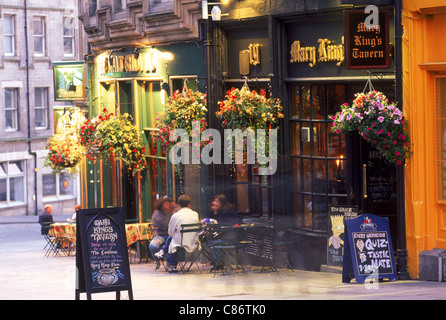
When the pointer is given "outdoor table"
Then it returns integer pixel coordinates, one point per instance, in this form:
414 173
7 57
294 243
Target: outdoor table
140 233
64 235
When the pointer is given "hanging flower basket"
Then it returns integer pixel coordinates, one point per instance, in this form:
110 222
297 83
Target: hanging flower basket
379 122
245 109
181 110
64 152
110 136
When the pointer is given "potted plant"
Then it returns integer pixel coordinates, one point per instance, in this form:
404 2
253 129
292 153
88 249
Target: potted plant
379 122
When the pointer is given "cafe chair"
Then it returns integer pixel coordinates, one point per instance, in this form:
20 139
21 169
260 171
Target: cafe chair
225 249
187 259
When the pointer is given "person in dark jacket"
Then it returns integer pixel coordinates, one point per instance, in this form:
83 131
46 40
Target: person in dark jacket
222 211
46 219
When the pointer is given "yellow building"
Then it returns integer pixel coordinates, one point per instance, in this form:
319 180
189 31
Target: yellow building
424 100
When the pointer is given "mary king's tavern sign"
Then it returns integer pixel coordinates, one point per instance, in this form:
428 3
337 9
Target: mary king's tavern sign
326 51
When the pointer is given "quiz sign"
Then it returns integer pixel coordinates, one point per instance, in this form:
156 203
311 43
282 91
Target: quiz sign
368 251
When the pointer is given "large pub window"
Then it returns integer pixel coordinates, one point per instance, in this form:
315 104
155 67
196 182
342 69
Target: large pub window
253 193
317 155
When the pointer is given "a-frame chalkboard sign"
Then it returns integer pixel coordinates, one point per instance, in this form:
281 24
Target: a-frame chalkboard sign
101 252
368 251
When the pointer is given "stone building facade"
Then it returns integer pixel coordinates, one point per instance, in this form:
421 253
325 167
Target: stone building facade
34 35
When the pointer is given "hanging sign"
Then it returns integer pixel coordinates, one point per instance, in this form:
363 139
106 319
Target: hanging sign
368 251
337 214
366 41
101 252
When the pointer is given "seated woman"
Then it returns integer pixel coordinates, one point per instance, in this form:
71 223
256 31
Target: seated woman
160 221
222 214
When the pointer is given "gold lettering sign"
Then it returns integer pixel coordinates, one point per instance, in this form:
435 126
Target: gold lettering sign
254 54
325 52
111 63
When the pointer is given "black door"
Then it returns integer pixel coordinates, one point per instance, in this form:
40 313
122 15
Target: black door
373 183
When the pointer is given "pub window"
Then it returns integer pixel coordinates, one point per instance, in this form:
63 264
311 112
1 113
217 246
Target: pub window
252 193
9 35
12 183
317 155
440 101
58 186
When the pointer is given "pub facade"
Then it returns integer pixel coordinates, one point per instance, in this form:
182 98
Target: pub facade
295 51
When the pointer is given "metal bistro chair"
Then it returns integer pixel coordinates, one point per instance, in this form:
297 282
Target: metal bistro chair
226 253
189 258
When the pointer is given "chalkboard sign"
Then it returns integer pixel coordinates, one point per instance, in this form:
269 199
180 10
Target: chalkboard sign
101 252
368 252
337 214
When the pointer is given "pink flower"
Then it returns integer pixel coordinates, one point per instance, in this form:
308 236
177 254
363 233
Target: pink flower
381 119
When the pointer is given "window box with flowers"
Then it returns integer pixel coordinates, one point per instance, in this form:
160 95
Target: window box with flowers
379 122
114 136
64 152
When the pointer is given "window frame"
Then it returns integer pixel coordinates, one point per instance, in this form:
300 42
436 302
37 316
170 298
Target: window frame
8 203
71 36
44 107
58 196
41 36
12 36
14 109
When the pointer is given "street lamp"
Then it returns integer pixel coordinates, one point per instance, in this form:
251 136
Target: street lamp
215 12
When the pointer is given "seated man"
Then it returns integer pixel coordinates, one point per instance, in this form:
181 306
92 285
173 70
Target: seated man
187 240
46 219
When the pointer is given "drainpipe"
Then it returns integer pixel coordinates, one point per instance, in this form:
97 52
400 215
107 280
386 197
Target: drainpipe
401 213
34 154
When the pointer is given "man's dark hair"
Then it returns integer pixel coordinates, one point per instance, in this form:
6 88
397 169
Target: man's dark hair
184 200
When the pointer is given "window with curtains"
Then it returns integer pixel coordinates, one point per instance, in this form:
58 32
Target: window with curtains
440 102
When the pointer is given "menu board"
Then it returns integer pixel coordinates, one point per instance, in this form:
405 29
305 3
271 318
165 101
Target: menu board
337 214
101 252
368 252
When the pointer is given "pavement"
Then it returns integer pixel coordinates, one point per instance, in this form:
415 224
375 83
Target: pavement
27 274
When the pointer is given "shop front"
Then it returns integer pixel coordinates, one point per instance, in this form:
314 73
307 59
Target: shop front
323 168
301 59
138 81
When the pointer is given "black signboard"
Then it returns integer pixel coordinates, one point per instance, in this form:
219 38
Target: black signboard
101 252
337 214
368 252
366 43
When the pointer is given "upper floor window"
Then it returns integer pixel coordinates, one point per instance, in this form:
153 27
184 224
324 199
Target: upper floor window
9 35
68 36
41 107
39 36
11 108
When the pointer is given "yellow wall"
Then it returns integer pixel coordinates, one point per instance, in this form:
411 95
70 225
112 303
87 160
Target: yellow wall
424 52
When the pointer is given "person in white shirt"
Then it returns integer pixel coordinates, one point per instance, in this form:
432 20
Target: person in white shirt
187 240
